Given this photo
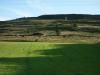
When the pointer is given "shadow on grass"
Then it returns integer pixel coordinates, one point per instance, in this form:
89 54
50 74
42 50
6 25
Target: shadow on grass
66 59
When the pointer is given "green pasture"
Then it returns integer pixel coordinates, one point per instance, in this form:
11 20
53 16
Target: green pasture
41 58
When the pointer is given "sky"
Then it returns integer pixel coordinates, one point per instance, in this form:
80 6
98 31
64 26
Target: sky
12 9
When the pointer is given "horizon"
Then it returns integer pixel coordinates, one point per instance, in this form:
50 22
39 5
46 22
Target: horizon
49 14
12 9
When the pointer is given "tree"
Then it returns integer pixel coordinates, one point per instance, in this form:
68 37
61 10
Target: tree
75 26
58 32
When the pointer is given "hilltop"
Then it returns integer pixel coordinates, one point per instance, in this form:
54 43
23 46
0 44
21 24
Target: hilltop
61 17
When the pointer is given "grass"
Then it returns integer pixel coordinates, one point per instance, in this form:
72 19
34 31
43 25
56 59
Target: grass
41 58
72 37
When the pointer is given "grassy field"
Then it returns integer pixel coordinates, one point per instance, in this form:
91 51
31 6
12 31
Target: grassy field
67 36
41 58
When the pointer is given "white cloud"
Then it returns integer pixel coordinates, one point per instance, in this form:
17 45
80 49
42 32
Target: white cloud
2 18
81 0
40 5
17 11
20 12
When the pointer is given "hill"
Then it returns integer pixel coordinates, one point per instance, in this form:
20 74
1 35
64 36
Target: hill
61 17
74 26
71 16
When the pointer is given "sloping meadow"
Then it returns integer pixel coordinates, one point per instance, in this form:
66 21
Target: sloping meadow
41 58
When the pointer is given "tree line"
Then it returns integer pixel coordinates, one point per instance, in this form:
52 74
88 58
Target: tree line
61 17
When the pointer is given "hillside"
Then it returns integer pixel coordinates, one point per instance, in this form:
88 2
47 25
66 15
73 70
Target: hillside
48 25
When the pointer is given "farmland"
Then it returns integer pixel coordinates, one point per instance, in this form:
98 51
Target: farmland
83 31
43 58
69 47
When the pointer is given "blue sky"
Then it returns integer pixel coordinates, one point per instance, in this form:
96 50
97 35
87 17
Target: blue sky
11 9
